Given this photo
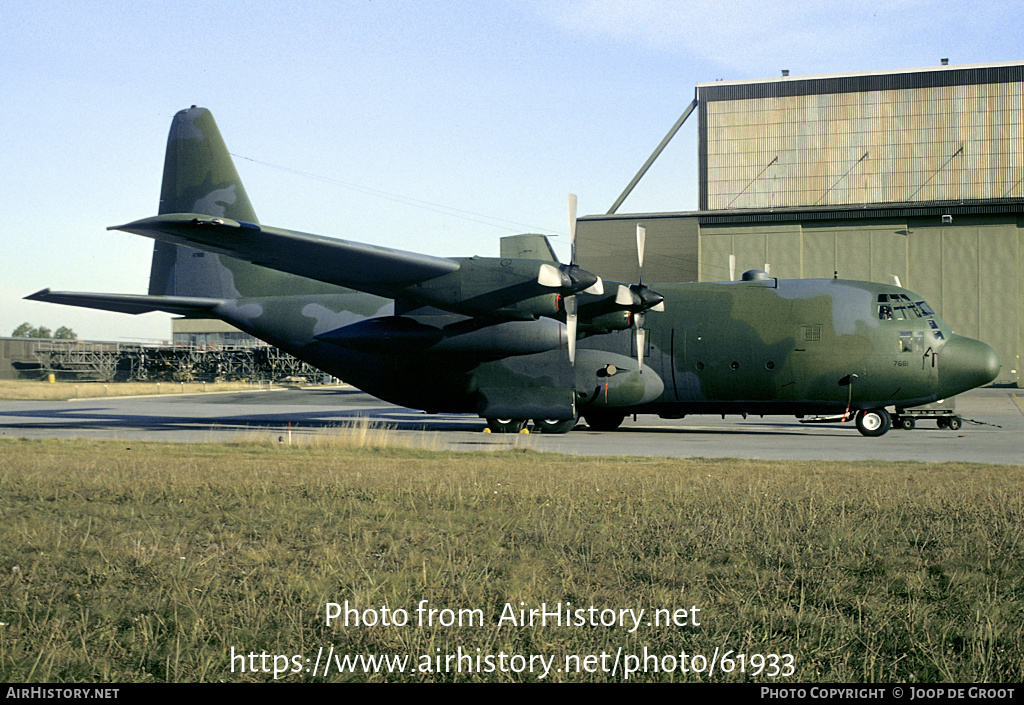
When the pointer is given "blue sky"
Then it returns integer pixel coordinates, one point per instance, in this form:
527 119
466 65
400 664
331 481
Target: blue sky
432 127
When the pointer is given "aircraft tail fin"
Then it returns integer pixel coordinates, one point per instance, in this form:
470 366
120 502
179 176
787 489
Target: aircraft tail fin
528 246
200 177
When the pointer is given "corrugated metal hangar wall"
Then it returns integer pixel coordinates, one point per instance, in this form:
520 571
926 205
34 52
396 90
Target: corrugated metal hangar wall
916 174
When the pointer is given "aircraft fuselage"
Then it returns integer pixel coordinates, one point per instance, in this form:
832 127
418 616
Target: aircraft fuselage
760 347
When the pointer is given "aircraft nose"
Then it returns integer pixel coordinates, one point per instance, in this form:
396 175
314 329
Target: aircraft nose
965 363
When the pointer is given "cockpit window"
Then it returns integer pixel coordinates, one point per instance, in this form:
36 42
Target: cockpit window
899 307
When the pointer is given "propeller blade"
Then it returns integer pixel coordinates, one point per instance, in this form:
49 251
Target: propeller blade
571 322
624 296
640 337
550 276
641 242
572 228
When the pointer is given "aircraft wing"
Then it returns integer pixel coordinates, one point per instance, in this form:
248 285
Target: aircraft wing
128 303
375 270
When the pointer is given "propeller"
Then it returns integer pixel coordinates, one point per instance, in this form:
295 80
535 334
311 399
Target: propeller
638 298
571 317
571 279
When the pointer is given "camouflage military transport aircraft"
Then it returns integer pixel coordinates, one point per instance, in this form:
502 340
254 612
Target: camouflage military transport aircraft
497 336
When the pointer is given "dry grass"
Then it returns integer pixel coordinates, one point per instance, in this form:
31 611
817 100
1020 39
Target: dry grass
362 433
44 391
152 562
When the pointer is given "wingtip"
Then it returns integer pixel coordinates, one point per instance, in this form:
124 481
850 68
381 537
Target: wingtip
40 295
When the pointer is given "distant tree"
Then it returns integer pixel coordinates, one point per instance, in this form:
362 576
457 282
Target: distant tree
26 330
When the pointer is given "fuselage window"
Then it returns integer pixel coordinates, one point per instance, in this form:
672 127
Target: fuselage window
911 341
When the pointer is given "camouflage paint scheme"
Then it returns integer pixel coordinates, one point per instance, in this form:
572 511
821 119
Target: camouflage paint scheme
484 335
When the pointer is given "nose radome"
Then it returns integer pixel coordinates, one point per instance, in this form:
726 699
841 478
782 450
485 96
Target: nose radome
965 363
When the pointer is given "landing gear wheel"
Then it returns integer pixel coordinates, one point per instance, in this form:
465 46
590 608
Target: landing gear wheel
603 420
873 422
907 423
506 425
554 425
955 423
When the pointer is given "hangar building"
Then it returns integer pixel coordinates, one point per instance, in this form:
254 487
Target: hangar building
917 174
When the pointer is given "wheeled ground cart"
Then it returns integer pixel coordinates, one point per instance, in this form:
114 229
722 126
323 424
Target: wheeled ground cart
943 411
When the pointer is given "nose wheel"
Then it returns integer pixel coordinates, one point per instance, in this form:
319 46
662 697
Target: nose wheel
873 422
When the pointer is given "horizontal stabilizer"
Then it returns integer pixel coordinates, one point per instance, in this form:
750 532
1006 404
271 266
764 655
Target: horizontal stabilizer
128 303
375 270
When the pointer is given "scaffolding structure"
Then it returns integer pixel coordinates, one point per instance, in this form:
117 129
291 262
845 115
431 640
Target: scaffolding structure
136 362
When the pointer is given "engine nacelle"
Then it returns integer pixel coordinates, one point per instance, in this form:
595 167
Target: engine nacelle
396 335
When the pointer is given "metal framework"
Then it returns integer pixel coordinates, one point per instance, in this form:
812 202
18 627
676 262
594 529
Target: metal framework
134 362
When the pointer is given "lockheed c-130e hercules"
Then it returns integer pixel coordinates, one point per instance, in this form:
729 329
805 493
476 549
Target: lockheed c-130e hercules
498 336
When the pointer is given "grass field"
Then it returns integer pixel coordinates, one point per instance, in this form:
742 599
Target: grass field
171 562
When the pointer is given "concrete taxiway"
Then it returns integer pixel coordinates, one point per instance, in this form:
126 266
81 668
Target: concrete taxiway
998 437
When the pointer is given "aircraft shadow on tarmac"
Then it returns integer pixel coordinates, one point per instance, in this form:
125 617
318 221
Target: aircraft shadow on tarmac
103 417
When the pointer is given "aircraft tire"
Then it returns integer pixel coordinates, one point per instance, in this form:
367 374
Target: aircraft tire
554 425
873 422
603 421
506 425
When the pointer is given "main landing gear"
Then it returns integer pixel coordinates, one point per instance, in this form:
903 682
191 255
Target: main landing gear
506 425
596 421
539 425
